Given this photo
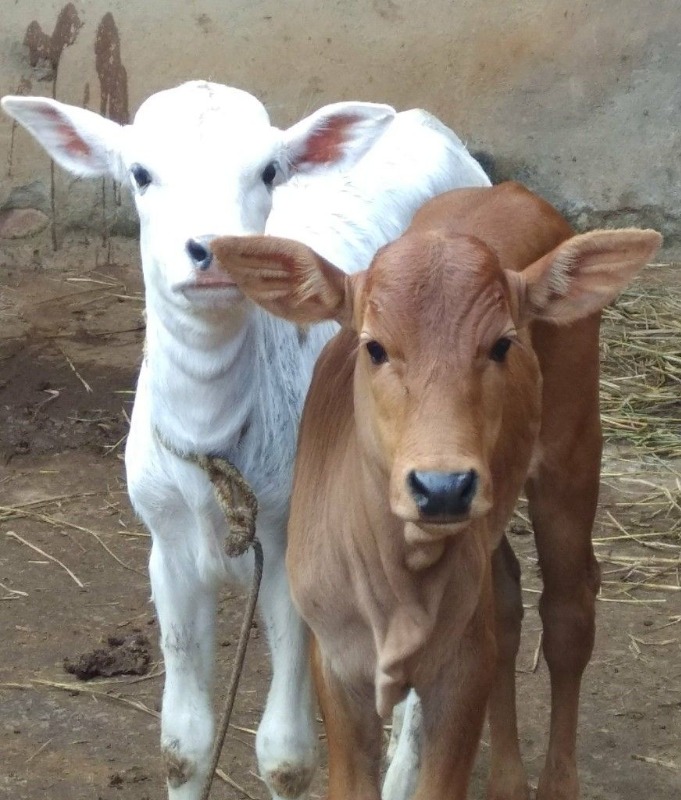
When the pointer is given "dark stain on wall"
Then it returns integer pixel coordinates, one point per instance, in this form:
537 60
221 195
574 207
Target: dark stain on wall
44 54
113 77
113 87
24 86
44 49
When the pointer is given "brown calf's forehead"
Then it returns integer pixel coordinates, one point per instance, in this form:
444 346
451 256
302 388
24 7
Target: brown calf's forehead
434 285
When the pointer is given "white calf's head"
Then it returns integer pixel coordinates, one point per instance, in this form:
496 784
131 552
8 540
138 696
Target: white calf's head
201 160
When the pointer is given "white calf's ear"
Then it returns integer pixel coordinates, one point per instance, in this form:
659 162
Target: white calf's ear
80 141
585 273
337 135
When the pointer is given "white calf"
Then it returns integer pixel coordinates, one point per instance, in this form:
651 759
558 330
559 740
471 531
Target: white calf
221 376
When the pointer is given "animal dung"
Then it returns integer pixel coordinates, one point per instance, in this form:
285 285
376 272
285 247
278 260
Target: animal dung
129 655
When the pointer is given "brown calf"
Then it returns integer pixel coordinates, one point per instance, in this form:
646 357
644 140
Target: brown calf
425 419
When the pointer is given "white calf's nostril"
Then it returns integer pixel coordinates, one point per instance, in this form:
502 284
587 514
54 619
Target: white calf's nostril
197 250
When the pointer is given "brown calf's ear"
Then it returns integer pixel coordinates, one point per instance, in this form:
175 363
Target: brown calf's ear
585 273
285 277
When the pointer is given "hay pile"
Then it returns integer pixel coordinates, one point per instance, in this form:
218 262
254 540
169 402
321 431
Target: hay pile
641 412
641 371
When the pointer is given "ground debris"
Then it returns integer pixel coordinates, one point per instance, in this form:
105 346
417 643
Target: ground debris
129 655
134 774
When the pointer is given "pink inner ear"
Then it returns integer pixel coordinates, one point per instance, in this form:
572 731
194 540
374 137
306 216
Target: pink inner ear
73 143
323 146
70 140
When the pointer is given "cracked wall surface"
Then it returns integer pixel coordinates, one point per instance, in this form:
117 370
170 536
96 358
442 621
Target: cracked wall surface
581 101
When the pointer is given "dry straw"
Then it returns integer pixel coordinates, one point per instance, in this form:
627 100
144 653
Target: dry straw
641 371
641 413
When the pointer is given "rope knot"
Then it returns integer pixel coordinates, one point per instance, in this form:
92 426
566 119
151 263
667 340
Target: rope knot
237 501
233 494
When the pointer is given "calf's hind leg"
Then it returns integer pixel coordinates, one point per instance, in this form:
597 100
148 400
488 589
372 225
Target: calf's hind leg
286 743
563 494
400 779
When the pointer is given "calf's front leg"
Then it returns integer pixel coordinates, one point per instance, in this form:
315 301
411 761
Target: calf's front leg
186 609
507 779
454 707
353 731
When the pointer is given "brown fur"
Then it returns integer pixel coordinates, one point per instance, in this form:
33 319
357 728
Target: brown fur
394 600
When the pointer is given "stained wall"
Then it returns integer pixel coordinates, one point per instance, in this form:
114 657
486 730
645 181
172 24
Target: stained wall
580 100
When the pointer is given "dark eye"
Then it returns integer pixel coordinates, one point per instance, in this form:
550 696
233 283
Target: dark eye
269 174
376 352
499 350
141 176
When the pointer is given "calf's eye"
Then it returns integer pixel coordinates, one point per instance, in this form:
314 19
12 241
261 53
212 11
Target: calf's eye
499 349
269 174
141 176
376 352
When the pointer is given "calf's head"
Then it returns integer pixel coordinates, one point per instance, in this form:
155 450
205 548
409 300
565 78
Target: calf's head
439 345
201 160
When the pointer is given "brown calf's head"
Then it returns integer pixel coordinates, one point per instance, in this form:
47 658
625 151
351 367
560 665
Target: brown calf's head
439 328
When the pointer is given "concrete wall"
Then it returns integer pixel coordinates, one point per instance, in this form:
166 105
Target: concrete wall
580 100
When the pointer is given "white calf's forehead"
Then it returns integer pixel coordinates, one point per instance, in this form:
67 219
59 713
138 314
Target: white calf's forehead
201 124
197 100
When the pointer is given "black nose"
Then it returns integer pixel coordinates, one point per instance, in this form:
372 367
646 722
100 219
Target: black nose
197 250
443 494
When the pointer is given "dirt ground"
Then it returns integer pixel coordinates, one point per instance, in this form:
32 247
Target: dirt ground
71 330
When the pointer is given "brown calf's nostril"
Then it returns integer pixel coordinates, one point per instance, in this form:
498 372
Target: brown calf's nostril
442 494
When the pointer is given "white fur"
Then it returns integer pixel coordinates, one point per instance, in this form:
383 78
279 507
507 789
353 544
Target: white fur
404 751
222 377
